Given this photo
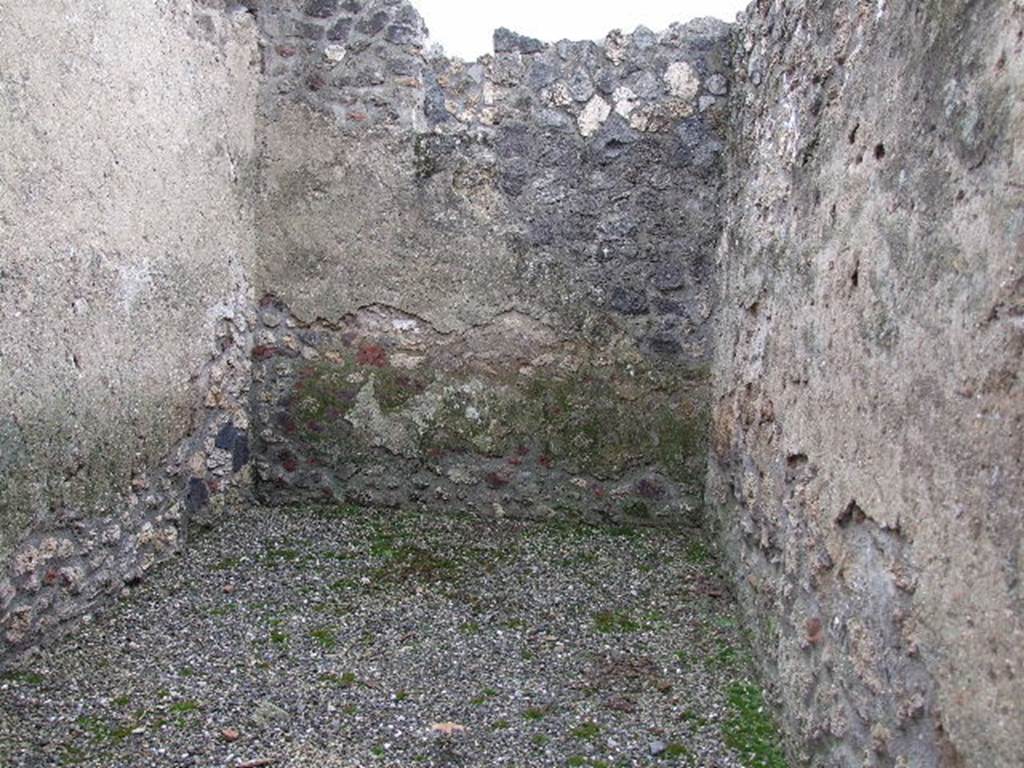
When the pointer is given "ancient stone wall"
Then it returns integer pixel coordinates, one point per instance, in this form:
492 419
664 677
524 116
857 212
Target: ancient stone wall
493 286
125 313
486 283
869 414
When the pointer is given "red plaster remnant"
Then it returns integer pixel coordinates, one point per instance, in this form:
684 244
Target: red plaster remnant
600 492
649 489
358 116
546 461
496 481
515 461
289 462
57 576
372 354
815 630
286 51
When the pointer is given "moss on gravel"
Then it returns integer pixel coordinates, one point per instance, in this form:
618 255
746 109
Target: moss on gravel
750 730
497 625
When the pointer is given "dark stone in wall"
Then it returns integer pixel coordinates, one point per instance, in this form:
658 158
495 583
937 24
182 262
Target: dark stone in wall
402 34
237 442
226 437
629 301
340 30
668 277
506 41
240 453
197 496
321 9
434 105
372 25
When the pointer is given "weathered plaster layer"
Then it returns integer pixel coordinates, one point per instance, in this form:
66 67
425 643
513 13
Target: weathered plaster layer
126 234
869 414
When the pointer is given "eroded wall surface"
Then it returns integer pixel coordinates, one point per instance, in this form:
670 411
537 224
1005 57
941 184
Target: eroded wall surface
486 283
869 414
494 285
125 313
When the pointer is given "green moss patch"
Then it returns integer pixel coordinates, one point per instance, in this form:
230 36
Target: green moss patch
325 637
24 677
749 728
609 622
603 425
586 731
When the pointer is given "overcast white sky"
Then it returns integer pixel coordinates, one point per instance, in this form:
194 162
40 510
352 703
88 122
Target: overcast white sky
464 27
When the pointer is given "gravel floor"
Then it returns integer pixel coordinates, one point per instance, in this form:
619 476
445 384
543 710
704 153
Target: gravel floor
357 638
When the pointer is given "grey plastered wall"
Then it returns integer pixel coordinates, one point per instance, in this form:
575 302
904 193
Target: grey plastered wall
125 236
486 282
868 429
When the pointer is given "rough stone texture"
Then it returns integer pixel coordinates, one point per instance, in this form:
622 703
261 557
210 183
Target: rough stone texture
869 416
124 308
486 282
492 286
